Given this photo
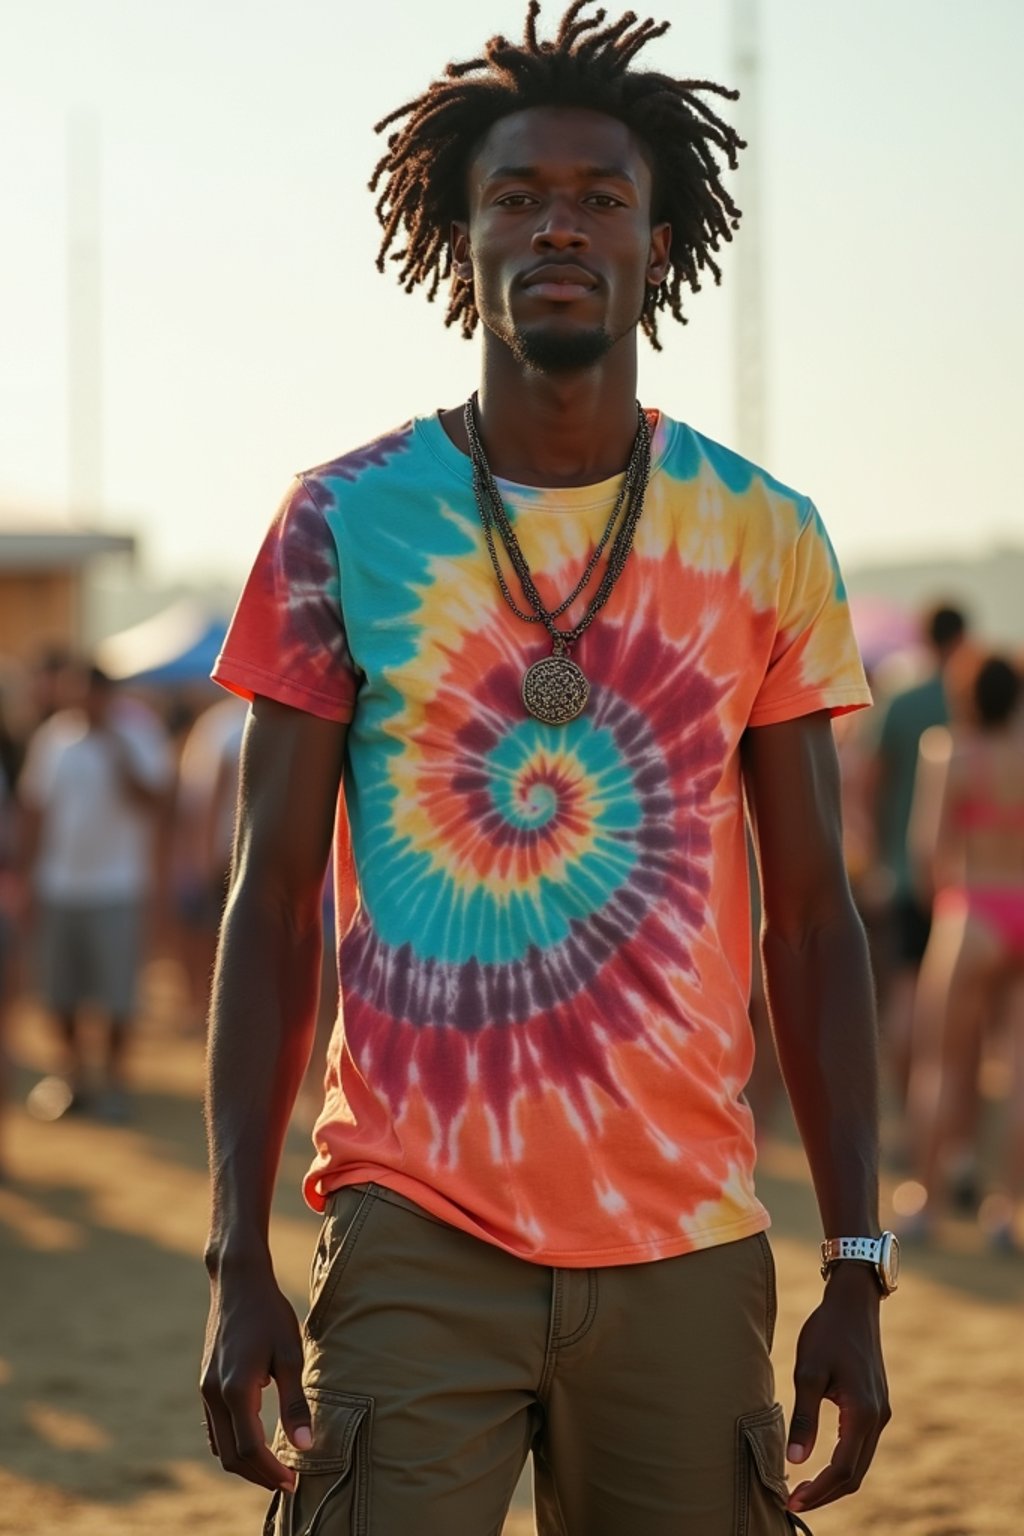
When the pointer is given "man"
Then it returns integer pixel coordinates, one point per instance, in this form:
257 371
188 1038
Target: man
94 777
534 1155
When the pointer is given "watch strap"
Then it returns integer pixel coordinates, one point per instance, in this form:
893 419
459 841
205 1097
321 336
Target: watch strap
867 1249
882 1254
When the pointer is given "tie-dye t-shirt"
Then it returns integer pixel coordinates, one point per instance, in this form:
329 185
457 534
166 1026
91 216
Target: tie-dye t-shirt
544 931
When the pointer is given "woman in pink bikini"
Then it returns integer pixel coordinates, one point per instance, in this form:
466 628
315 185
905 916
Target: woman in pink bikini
972 795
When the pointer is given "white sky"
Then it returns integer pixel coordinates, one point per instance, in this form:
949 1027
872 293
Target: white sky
246 333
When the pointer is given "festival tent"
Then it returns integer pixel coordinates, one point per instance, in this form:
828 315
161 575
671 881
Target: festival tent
174 648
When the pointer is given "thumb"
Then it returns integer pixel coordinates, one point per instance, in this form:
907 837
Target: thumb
803 1426
296 1419
298 1426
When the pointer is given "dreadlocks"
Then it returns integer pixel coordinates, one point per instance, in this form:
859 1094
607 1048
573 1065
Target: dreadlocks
587 65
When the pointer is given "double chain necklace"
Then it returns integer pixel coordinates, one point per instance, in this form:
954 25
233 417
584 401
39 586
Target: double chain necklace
555 690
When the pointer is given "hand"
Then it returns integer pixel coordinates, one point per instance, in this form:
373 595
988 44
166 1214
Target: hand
839 1357
252 1338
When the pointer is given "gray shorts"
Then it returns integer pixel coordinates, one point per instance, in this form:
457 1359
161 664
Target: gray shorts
90 954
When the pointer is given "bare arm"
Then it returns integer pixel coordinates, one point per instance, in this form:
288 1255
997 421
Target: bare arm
932 840
261 1028
820 995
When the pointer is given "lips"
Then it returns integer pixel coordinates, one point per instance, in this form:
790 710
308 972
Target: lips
560 281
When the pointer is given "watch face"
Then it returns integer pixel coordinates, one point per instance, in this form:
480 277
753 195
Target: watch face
889 1261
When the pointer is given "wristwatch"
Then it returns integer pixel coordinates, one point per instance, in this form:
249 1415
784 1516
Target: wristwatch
883 1253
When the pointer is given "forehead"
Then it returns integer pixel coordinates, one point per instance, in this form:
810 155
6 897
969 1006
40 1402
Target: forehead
554 141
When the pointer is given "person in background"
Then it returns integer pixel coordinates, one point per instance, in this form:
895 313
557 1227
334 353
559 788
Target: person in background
203 832
908 715
967 842
10 901
94 778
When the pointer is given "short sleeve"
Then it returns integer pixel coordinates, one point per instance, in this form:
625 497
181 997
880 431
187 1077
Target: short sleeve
287 638
814 662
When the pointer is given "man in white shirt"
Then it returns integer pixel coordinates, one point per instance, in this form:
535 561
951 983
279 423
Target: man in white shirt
92 782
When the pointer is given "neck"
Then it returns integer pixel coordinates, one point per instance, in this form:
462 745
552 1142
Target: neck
554 429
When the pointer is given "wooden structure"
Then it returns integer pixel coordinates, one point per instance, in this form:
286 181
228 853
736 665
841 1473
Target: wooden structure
43 569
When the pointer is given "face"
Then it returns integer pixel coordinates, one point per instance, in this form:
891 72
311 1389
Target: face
559 243
93 698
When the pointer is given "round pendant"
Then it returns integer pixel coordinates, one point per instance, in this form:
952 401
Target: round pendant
555 690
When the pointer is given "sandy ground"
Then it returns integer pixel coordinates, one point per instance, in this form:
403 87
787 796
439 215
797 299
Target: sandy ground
104 1303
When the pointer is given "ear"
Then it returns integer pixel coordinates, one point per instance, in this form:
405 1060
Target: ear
462 264
660 252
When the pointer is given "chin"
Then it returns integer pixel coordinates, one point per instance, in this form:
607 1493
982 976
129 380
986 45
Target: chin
554 349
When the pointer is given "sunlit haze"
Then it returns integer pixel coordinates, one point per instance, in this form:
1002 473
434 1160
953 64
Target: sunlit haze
246 333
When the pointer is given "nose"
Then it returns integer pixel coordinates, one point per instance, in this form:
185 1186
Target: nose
559 230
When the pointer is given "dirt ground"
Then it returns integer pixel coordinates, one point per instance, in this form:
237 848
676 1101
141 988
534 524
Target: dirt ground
103 1304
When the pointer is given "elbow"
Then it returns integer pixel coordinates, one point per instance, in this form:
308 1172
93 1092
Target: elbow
799 926
266 898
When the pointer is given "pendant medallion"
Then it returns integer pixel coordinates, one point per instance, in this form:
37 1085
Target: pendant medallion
555 690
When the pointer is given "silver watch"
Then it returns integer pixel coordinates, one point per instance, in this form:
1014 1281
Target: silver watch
883 1253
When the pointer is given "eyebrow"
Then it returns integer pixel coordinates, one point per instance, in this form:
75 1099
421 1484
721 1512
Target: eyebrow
533 173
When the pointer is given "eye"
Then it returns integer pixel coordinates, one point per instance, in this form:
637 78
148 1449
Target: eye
605 200
514 200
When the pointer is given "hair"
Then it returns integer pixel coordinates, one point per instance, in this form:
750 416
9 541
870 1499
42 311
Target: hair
996 691
53 658
587 65
944 625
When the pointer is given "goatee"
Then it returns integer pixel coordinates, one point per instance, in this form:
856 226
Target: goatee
553 351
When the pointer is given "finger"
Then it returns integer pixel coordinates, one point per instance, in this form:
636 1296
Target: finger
881 1419
846 1468
222 1443
210 1436
803 1426
246 1451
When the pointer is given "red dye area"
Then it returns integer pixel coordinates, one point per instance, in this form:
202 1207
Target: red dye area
288 622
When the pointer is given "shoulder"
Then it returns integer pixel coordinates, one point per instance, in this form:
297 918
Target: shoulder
764 522
63 731
918 707
50 744
324 481
693 453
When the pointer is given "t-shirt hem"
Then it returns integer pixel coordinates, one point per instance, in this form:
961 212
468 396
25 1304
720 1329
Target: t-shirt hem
837 701
247 680
757 1220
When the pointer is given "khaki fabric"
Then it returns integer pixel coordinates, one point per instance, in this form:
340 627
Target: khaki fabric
435 1363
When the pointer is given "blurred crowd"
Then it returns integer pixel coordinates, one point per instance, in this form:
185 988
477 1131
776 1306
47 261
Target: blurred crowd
116 827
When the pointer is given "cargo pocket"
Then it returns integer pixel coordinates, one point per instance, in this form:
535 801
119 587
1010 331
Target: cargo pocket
761 1490
332 1488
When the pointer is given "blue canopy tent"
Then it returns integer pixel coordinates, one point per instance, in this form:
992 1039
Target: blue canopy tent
174 649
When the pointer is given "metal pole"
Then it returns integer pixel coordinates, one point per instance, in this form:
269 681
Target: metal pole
749 340
84 317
